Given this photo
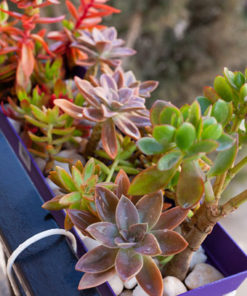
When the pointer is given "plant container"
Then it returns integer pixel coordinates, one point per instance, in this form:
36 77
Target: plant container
24 189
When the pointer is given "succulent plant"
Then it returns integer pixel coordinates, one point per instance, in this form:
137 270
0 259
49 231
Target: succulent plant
101 46
109 106
78 188
130 235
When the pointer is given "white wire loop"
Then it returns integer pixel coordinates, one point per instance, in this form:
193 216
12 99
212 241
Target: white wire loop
29 242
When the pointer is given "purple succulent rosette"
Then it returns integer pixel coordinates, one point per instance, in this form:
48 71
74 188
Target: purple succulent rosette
130 235
102 46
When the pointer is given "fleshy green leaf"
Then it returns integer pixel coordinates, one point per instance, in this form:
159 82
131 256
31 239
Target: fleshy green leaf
195 114
223 89
89 169
156 109
39 114
190 185
66 179
213 131
243 92
150 180
185 136
170 115
149 146
53 204
70 198
169 160
225 142
222 112
164 133
205 146
204 103
223 161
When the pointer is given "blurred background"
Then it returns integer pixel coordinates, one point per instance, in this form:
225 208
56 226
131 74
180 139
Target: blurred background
183 44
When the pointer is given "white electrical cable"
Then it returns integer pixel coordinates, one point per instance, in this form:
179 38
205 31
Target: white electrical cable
29 242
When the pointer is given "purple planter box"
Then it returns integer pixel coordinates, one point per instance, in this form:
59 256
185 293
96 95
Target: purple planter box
220 248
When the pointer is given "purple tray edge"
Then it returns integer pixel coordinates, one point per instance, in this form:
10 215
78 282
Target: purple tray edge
225 285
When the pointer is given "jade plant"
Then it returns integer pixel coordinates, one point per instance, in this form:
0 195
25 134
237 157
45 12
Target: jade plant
68 88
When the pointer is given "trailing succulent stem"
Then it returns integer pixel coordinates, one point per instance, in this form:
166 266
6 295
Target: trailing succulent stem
93 141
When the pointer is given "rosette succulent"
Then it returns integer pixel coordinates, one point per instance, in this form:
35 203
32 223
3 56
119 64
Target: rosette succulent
130 235
109 105
102 46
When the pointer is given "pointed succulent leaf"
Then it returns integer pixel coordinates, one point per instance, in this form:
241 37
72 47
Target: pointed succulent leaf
106 204
53 176
195 114
223 89
149 146
190 186
77 176
149 208
38 139
229 76
135 232
225 142
123 183
123 244
185 136
170 242
205 146
97 260
90 280
38 113
150 180
104 232
65 179
128 263
35 122
147 87
70 198
93 114
171 218
126 214
148 246
149 277
223 161
239 79
164 133
69 108
63 131
127 127
89 169
169 160
109 138
204 103
53 204
82 219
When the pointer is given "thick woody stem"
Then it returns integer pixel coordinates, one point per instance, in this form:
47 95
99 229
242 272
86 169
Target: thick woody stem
93 140
201 225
